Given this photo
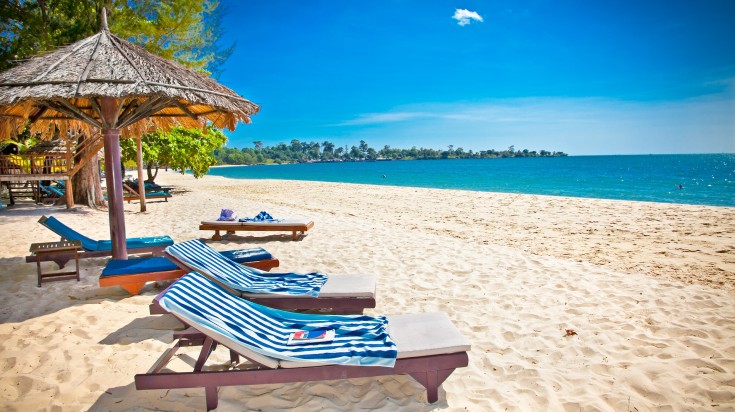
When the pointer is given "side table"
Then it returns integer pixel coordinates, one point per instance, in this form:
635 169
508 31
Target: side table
47 248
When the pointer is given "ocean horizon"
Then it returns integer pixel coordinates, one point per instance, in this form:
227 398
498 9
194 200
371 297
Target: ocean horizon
697 179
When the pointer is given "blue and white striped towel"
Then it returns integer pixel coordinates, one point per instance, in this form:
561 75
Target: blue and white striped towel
261 217
359 340
202 258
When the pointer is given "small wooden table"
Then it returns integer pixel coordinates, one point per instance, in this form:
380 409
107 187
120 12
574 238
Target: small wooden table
48 248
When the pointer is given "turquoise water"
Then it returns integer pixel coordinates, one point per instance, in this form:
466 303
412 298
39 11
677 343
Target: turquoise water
706 179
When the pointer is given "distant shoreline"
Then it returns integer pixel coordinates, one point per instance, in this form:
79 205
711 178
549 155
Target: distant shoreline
682 179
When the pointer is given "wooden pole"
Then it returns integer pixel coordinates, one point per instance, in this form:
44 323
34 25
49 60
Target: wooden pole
141 182
113 177
69 190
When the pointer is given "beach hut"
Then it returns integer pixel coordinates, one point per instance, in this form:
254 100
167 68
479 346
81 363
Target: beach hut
104 83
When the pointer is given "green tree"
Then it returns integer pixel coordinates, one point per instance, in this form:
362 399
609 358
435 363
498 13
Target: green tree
180 149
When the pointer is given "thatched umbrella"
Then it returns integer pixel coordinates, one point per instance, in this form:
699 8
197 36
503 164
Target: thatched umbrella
104 82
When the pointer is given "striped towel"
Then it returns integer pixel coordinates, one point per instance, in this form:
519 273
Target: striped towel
207 261
263 216
359 340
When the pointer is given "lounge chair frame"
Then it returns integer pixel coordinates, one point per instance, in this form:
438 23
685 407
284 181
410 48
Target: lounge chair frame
348 305
429 371
62 258
296 229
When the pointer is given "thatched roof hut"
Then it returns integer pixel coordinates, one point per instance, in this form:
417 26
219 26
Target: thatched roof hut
63 88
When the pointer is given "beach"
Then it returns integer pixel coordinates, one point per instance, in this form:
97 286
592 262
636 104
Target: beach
647 288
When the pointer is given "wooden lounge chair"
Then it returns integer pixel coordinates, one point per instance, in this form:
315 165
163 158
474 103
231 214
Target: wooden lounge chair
426 346
133 274
97 248
345 294
296 227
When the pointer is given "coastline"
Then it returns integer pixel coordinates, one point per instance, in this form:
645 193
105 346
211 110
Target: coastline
654 330
678 179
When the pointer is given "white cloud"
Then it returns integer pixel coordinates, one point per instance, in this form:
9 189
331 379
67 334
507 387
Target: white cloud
465 17
573 125
394 117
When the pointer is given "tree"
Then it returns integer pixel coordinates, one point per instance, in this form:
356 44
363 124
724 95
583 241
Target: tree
183 30
180 149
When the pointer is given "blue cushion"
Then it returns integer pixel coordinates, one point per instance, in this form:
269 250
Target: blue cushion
137 266
162 264
138 242
247 255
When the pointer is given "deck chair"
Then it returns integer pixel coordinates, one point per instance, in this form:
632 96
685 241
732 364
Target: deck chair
131 194
297 227
149 186
97 248
426 346
51 193
133 274
290 291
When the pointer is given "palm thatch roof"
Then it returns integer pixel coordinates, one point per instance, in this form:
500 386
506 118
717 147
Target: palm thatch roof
63 88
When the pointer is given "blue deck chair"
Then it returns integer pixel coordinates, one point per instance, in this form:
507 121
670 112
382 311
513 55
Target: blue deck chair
97 248
426 346
291 291
53 193
133 274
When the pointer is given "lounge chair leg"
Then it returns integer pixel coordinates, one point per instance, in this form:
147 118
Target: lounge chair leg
217 236
210 393
207 347
133 288
431 382
234 357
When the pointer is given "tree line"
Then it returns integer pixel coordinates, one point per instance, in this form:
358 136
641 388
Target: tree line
304 152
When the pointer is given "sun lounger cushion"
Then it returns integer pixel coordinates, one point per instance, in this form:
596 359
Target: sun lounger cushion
103 245
417 335
162 264
202 258
252 329
337 286
280 223
138 242
137 266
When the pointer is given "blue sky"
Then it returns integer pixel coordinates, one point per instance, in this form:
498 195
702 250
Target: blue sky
581 77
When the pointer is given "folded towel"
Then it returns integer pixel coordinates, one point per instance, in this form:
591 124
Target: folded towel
227 215
261 217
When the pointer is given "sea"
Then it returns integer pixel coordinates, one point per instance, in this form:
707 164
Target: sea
697 179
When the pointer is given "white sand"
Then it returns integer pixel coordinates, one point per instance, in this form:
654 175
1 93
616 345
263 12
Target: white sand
649 289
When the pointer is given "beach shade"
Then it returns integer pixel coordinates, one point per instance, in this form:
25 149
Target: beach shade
106 83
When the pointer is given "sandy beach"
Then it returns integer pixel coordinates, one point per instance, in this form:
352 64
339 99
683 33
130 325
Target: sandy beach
649 289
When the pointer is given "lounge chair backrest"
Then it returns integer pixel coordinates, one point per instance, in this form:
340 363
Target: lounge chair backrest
50 190
200 257
66 232
252 329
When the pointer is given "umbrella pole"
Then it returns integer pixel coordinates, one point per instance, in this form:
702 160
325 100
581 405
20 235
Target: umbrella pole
113 177
109 111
